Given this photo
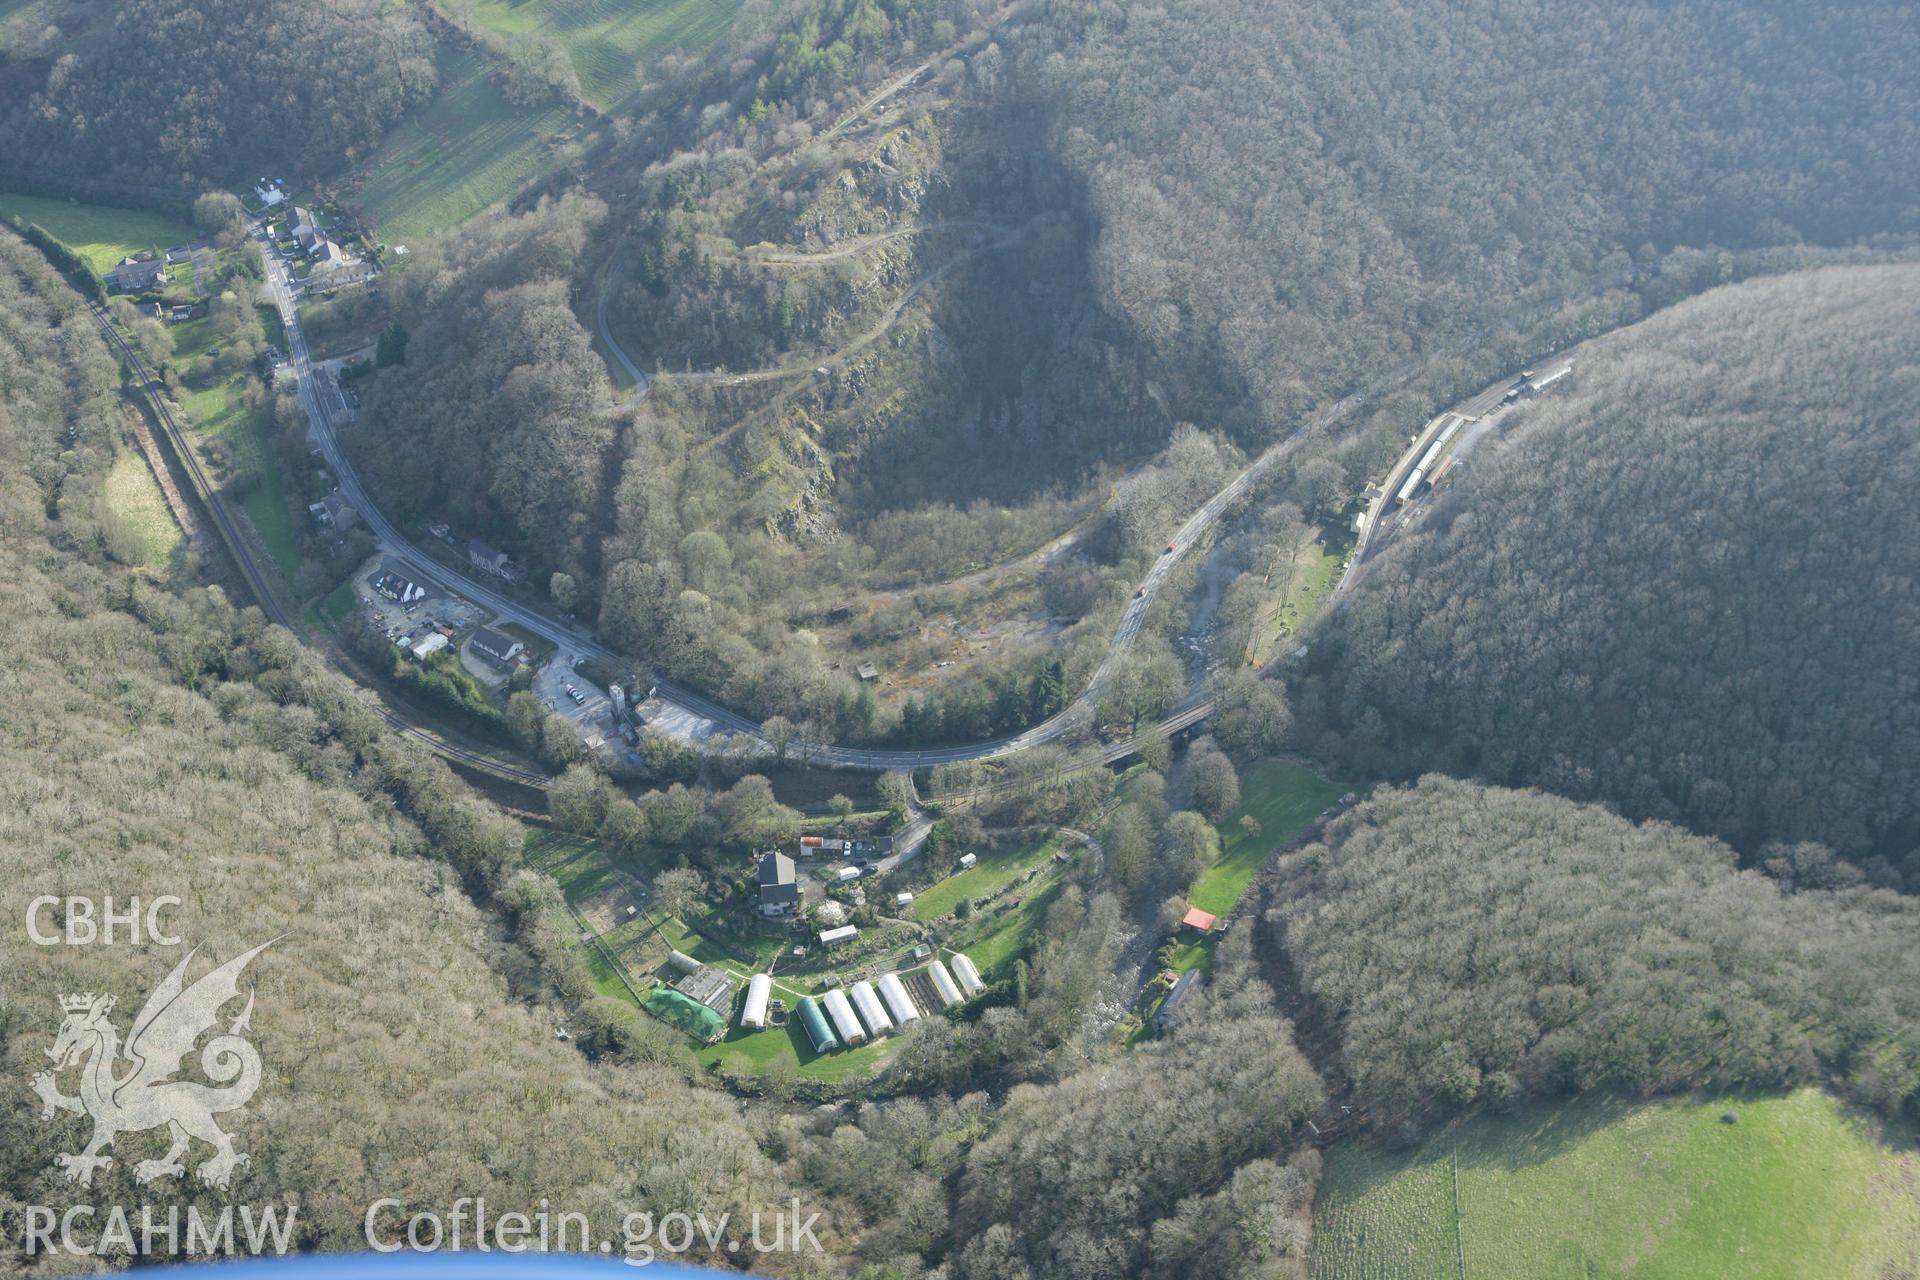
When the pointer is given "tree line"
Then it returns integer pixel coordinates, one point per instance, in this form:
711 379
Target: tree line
1679 586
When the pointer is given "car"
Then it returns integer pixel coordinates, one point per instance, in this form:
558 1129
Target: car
1141 594
579 698
1169 550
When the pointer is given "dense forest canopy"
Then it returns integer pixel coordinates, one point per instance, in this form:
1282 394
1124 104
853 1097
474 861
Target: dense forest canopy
501 380
1683 587
155 100
156 744
1476 943
1298 199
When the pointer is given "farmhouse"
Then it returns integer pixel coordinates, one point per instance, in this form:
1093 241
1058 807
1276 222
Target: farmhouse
495 646
137 274
398 589
779 888
490 559
305 231
334 512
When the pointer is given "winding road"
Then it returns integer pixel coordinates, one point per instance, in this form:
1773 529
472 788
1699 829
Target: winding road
698 716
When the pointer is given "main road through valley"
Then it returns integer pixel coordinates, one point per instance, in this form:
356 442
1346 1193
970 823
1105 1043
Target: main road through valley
690 713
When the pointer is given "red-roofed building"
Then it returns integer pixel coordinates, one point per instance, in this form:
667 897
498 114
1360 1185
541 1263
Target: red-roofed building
1197 920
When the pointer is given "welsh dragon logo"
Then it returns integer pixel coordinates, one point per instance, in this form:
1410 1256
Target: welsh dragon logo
129 1089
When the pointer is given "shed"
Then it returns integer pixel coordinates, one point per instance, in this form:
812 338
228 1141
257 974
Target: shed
753 1014
1199 921
898 1002
711 987
870 1009
845 933
868 671
1170 1007
902 899
814 1023
841 1011
429 644
967 860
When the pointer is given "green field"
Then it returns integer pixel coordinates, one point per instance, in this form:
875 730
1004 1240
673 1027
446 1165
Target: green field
993 940
994 868
1799 1188
1291 603
1284 799
790 1043
220 412
134 496
100 234
467 149
607 39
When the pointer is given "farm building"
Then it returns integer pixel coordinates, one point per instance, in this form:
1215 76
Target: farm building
870 1010
841 1011
711 987
495 646
334 512
845 933
137 274
428 645
1170 1007
779 889
899 1004
490 559
814 1023
753 1014
944 984
969 976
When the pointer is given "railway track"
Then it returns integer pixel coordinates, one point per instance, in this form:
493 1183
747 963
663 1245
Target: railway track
256 578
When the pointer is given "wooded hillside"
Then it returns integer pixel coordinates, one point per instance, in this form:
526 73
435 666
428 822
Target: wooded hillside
155 744
152 101
1296 200
1469 943
1684 587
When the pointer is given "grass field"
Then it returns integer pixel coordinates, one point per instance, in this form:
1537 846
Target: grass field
1284 799
607 39
99 233
1798 1188
1292 602
220 412
995 868
134 495
467 149
763 1048
993 941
